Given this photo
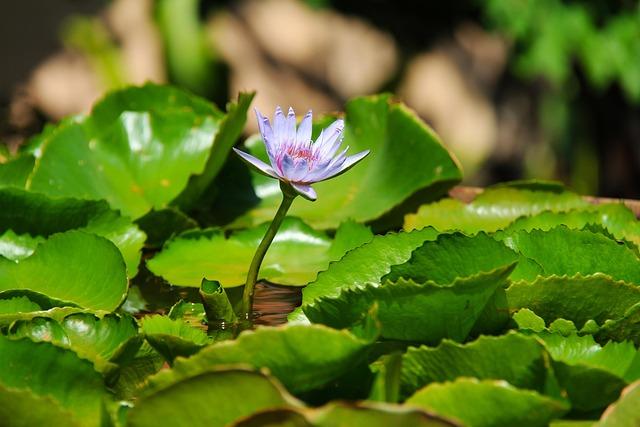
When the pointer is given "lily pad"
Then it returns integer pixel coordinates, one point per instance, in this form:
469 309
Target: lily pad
347 414
406 157
301 357
186 259
91 337
56 373
623 413
22 408
488 403
173 338
427 312
563 251
48 216
515 358
593 376
365 265
15 171
237 393
137 150
84 282
493 209
577 298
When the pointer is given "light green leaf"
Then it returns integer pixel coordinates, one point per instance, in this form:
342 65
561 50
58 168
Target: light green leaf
214 398
84 282
18 246
48 216
406 157
493 209
91 337
137 149
295 257
365 265
22 408
15 171
173 337
623 413
514 358
301 357
50 371
562 251
577 298
487 403
410 311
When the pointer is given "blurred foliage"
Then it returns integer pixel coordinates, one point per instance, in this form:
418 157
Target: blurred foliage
552 34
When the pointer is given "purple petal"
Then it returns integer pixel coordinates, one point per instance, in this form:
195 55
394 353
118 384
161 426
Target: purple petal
292 170
304 130
305 191
256 163
267 135
279 126
348 163
290 135
331 139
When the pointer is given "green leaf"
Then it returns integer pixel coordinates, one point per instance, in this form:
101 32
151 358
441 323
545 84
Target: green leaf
91 337
577 298
87 283
453 256
173 338
623 413
137 150
593 376
22 408
48 216
295 257
214 398
515 358
18 246
410 311
301 357
15 172
365 265
406 156
346 414
562 251
493 209
50 371
16 305
487 403
617 219
162 225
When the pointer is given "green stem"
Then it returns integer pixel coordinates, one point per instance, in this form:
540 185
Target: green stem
288 195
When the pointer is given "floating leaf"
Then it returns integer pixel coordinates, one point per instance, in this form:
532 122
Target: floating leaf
91 337
15 172
137 150
577 298
50 371
493 209
173 338
487 403
301 357
347 414
18 246
89 284
562 251
406 156
410 311
186 259
453 256
365 265
623 413
48 216
593 376
22 408
236 393
515 358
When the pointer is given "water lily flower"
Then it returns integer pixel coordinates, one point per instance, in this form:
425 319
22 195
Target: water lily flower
295 158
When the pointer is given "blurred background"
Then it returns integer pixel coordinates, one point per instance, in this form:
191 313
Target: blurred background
516 88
